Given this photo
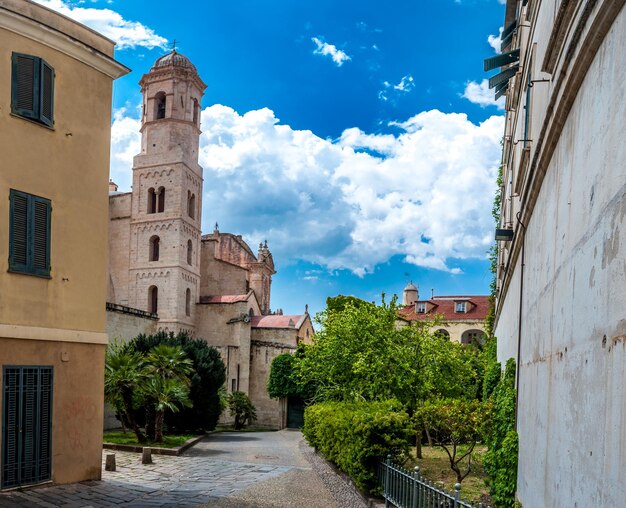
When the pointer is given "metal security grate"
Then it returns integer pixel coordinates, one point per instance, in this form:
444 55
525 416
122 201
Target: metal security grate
27 426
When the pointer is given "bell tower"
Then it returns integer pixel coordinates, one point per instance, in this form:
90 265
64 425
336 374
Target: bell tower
164 274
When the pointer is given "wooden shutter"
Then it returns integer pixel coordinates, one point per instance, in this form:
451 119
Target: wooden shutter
29 233
47 94
41 236
10 427
18 231
25 85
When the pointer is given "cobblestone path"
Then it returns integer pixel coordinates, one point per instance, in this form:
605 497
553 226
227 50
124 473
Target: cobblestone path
255 477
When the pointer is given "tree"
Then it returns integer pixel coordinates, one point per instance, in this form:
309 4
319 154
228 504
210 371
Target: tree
452 423
284 380
360 353
242 409
164 363
206 378
124 377
165 394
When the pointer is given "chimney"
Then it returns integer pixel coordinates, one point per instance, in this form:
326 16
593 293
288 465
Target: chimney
112 186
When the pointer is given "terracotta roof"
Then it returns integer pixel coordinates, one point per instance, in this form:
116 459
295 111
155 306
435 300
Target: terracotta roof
478 308
278 321
224 298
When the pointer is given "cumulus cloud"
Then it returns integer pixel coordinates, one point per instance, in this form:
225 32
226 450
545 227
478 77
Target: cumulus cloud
127 34
423 193
323 48
480 93
495 41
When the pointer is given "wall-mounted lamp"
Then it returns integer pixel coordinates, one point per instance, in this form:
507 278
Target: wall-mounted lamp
504 235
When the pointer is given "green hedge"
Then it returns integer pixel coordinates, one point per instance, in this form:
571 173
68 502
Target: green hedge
355 436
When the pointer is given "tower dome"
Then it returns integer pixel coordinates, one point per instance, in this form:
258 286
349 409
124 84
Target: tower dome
174 59
410 294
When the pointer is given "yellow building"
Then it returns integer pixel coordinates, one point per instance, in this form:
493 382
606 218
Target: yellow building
55 116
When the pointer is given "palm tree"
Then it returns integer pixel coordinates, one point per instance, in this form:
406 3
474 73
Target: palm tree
123 377
163 362
166 394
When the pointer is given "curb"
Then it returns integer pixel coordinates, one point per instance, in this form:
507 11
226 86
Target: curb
157 451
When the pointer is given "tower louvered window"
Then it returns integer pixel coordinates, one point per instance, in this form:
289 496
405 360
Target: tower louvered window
26 425
29 234
32 88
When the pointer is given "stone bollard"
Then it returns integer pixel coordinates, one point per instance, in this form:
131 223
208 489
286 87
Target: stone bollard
146 456
109 464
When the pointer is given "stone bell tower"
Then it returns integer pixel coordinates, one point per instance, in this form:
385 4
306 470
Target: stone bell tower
164 274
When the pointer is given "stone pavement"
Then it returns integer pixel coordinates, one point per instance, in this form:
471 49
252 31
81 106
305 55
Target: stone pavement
269 470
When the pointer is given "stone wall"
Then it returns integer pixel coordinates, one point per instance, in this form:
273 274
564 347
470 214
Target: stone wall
124 326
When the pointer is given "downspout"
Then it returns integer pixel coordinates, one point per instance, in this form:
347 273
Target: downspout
519 323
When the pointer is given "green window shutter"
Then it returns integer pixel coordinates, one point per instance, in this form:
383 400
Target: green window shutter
41 236
47 94
29 234
18 231
25 85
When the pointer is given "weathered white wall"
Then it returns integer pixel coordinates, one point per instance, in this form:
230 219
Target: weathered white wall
572 404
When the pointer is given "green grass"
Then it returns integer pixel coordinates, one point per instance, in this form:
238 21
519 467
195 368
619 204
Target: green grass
435 467
249 428
128 438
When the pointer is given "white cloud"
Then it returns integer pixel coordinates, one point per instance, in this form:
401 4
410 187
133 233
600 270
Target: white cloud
388 92
125 144
480 93
127 34
424 193
323 48
495 41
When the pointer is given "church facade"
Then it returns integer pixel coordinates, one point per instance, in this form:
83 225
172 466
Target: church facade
211 286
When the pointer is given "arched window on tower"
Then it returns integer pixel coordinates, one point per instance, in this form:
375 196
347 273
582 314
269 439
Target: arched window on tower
154 248
160 101
153 299
188 302
189 252
161 200
196 112
191 204
152 200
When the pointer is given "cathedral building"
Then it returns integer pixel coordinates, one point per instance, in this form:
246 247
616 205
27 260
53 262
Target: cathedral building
165 275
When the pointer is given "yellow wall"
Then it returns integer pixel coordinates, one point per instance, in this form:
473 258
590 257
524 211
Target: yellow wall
77 402
68 165
60 321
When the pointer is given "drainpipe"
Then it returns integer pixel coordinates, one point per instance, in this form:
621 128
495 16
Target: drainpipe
519 323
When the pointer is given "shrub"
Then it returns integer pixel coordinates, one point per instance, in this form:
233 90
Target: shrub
502 441
242 409
207 376
356 435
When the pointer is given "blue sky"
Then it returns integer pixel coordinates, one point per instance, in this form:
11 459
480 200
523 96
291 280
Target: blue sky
357 137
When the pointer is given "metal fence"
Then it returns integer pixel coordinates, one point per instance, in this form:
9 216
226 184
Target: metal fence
406 489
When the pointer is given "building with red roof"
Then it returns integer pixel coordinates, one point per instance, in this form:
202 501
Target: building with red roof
459 317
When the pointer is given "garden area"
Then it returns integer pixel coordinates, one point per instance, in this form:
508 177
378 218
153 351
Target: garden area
167 389
376 388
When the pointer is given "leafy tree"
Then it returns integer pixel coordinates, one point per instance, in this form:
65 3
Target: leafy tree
284 380
455 422
207 376
360 353
124 378
242 409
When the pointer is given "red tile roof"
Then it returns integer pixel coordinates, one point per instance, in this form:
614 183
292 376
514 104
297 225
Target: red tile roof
224 299
478 308
277 321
